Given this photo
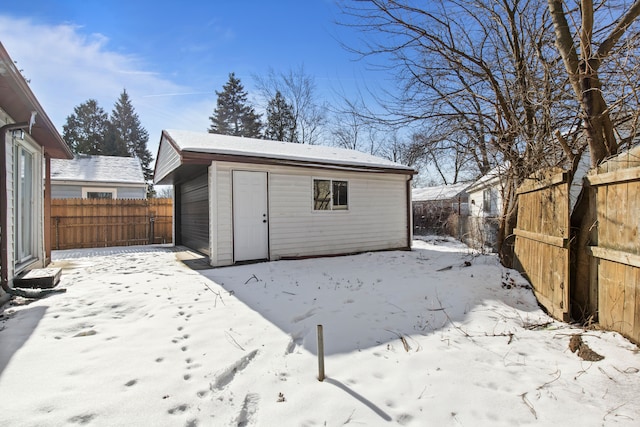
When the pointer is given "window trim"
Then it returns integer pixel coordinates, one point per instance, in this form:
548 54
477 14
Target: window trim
331 208
487 201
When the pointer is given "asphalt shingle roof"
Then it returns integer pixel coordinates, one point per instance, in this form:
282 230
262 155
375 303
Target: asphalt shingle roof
98 169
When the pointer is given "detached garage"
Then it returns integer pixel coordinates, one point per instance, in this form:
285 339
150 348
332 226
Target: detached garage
241 199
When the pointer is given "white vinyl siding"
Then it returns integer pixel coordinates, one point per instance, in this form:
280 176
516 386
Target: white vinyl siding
169 160
63 191
477 202
66 191
224 215
131 193
376 218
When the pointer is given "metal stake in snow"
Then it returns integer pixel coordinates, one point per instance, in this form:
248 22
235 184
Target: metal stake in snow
320 354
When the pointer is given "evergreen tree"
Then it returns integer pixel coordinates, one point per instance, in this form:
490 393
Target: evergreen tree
112 145
281 123
86 128
129 137
233 114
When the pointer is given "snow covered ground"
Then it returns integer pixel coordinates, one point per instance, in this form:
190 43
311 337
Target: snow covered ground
436 336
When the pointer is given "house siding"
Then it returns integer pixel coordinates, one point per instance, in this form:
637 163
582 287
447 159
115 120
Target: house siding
373 220
75 191
131 193
66 191
169 159
476 202
224 215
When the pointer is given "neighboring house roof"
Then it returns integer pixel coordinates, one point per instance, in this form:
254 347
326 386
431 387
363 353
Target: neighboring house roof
493 177
440 192
199 147
88 168
17 99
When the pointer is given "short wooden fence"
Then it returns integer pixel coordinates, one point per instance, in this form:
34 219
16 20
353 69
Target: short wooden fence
92 223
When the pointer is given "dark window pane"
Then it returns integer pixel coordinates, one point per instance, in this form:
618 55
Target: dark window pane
339 194
321 194
99 195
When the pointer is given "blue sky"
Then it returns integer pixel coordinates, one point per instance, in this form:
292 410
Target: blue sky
172 56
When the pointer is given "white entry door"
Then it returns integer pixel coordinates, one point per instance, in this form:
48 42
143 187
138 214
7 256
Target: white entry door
250 216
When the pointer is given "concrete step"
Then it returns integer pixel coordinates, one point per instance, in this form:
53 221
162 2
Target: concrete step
38 278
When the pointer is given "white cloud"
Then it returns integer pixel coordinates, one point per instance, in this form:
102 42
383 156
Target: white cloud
66 68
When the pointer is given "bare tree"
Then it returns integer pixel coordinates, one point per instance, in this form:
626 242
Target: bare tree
351 127
298 89
448 154
585 60
599 47
481 73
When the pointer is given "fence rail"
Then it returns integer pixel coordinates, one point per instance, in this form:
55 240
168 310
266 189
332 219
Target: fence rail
92 223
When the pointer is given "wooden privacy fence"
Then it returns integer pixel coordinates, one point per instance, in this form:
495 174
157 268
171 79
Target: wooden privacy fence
607 285
92 223
542 239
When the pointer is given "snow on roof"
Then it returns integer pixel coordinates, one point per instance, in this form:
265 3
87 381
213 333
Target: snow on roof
202 142
98 169
440 192
493 177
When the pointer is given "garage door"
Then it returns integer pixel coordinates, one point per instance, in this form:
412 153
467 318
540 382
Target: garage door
194 214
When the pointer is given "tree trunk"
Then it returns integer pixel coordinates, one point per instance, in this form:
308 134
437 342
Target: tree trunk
597 123
508 222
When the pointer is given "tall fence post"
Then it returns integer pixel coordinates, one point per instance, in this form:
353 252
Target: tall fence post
152 221
57 233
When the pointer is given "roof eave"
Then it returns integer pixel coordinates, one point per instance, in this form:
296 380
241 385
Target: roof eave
198 157
19 102
57 181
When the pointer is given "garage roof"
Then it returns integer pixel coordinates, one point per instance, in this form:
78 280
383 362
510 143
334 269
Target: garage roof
203 148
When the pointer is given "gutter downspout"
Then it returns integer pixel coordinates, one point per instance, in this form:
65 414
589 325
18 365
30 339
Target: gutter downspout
4 224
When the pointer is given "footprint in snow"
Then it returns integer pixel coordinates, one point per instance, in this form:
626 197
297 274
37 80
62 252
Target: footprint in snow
248 410
178 409
228 374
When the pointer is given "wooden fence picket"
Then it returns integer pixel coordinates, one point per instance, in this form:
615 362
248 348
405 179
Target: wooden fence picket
90 223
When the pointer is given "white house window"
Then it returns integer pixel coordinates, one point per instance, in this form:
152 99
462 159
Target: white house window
99 193
330 195
486 201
